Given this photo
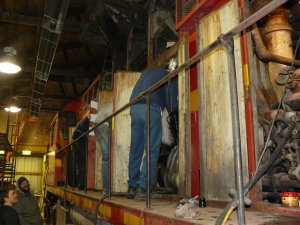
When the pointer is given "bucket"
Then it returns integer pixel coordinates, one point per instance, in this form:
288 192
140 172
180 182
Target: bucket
290 199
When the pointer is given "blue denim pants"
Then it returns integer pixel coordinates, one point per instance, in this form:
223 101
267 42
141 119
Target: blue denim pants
102 134
137 176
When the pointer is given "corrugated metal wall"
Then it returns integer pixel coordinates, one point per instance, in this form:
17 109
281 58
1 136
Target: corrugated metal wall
216 134
31 168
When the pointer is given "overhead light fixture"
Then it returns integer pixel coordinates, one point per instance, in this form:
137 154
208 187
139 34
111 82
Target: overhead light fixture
13 106
8 63
26 152
12 109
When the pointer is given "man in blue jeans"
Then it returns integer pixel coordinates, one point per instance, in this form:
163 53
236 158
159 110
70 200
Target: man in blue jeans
102 134
159 99
80 147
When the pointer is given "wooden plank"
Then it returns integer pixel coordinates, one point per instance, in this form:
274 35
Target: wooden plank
217 136
124 84
184 125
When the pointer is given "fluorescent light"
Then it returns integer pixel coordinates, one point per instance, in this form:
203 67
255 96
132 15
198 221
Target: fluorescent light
7 67
12 109
2 152
26 152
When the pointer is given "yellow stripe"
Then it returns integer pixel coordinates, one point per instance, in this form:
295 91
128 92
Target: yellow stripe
246 76
130 219
194 100
113 123
105 210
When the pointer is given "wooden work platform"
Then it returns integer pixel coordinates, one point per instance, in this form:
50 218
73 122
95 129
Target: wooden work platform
120 210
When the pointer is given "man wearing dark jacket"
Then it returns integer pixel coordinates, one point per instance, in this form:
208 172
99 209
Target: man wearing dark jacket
80 151
8 215
27 205
164 96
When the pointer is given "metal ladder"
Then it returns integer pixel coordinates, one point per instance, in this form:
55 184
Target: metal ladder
8 142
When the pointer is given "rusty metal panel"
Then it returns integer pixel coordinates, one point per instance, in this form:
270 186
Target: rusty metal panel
104 97
124 83
216 134
32 169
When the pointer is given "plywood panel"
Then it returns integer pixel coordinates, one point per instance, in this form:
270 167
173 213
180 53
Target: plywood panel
124 83
217 136
104 97
184 124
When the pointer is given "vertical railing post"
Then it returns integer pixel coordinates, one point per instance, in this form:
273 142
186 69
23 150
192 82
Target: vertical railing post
86 162
109 160
148 202
73 149
66 167
229 45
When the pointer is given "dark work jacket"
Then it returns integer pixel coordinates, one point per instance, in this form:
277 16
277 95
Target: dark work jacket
28 209
9 216
81 127
146 80
172 95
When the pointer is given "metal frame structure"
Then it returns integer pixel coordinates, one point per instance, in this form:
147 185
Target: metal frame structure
227 41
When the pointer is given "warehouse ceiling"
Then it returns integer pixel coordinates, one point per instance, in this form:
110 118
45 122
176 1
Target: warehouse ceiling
93 40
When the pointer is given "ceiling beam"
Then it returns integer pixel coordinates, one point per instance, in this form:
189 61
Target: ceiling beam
62 72
74 87
69 25
49 97
130 7
62 88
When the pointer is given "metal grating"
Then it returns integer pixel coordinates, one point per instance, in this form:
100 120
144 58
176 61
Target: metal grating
183 8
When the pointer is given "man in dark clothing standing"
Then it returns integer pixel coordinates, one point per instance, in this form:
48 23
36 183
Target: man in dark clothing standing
158 101
80 151
27 205
8 215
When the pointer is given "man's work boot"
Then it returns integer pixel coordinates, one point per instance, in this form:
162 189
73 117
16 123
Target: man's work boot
130 192
140 194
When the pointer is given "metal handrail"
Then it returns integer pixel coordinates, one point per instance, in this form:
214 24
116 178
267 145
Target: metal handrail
221 40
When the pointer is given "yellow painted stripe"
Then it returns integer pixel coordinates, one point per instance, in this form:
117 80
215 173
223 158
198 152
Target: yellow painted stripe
194 100
246 76
105 210
113 123
130 219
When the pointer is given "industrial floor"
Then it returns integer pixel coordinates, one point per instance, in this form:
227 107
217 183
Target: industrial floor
207 215
120 210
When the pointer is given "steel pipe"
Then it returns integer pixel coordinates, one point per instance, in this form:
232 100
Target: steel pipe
264 54
229 45
148 202
109 164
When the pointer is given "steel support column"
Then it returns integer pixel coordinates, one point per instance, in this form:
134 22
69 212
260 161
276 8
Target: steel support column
229 45
148 202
